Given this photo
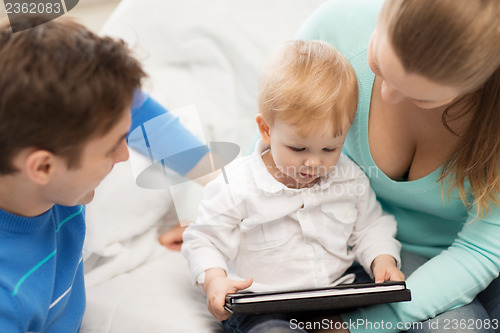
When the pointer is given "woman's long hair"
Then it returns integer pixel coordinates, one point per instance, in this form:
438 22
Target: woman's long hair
456 43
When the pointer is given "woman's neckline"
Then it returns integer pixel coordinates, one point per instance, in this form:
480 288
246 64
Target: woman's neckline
364 112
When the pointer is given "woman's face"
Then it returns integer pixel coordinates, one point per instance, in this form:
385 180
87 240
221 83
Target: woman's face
397 84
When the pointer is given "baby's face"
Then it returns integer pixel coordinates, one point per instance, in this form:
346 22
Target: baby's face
304 159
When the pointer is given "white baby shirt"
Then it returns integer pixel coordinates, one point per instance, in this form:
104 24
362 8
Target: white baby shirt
286 238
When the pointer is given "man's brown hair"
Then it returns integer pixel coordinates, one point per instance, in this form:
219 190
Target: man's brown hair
60 86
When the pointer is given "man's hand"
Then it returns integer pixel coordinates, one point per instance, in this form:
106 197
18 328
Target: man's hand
217 286
384 269
172 239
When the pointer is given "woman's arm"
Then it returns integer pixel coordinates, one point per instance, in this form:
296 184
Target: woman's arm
451 279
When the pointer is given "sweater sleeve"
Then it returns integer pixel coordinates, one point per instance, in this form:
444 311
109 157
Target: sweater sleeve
449 280
155 132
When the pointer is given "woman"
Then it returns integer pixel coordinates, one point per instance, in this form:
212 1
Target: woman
427 133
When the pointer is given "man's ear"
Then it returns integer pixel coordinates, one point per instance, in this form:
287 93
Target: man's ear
40 166
264 128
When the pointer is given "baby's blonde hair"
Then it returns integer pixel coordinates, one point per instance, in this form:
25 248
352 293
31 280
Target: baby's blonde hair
307 83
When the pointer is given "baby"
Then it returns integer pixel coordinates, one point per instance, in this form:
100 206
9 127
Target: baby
296 213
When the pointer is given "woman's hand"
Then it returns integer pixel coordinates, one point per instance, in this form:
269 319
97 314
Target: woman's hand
384 269
172 239
217 286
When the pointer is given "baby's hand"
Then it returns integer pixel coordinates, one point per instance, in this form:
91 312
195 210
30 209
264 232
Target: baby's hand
217 287
384 269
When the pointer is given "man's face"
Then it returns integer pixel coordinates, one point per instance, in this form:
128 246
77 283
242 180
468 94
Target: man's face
76 186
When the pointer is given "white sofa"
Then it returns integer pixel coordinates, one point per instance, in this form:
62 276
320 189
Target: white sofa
203 52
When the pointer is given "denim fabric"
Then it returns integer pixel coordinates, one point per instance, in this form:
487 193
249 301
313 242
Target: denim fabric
490 299
269 323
